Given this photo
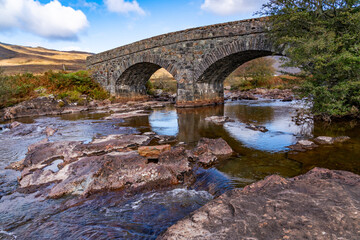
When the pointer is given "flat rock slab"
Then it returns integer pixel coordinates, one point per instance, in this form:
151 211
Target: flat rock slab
138 113
321 204
114 162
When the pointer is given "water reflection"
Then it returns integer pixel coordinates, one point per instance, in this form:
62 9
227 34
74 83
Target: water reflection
164 122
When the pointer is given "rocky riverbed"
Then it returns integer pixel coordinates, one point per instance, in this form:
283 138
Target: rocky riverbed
130 173
46 106
114 162
285 95
321 204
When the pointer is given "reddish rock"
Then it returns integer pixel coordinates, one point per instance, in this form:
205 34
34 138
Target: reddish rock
218 147
321 204
50 131
210 151
153 151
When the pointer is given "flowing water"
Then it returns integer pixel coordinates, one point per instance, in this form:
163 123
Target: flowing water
117 215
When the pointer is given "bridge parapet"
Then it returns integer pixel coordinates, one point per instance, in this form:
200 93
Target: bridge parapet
236 28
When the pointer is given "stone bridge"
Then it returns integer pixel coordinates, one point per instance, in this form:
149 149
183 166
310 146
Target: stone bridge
199 59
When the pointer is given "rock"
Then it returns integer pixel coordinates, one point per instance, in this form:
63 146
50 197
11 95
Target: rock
164 139
207 159
112 143
210 151
324 140
158 92
149 133
50 131
219 119
321 204
303 145
106 102
341 139
14 125
112 163
288 99
257 128
110 171
138 113
306 143
18 166
247 96
35 145
153 152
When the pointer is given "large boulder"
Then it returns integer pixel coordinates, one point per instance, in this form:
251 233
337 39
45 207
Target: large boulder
211 151
321 204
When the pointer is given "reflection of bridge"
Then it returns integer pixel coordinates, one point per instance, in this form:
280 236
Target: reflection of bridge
199 59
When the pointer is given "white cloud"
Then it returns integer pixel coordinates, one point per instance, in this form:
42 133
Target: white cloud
51 20
229 7
122 6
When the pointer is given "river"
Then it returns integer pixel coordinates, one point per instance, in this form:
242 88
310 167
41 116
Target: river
116 215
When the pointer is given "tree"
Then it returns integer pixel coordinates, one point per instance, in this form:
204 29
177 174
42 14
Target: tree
257 71
322 37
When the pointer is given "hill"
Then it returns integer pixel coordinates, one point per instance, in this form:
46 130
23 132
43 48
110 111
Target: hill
19 59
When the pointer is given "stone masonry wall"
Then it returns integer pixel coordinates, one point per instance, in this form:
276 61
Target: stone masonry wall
199 59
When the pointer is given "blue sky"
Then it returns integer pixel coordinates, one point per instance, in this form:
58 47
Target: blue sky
99 25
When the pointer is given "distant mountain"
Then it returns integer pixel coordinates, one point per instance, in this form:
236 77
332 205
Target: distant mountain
19 59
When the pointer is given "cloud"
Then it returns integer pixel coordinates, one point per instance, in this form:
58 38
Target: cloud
230 7
122 6
51 20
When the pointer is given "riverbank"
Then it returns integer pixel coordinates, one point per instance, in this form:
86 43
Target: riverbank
50 105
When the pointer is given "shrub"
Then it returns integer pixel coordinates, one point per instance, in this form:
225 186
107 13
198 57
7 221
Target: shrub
17 88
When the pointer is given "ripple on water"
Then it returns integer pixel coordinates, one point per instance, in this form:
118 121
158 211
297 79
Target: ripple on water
109 216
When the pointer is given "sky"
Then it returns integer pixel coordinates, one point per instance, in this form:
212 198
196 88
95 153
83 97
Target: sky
99 25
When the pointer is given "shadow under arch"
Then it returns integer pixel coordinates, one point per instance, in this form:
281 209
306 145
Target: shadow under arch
210 84
132 77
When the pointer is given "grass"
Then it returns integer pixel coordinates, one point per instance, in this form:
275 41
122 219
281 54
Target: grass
67 86
19 59
280 82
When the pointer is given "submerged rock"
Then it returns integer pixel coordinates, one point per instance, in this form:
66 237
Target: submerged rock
324 140
321 204
303 145
257 128
331 140
341 139
219 119
138 113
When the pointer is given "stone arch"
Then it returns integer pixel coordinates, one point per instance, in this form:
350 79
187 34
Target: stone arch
133 74
221 62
